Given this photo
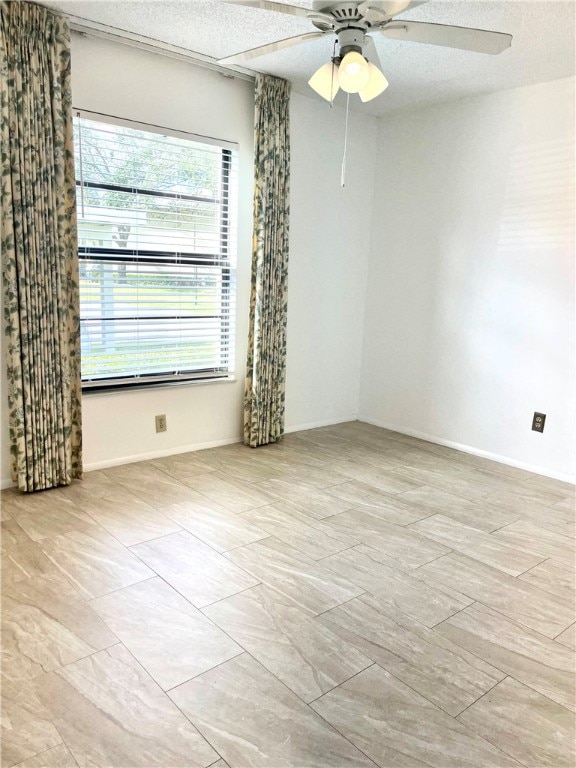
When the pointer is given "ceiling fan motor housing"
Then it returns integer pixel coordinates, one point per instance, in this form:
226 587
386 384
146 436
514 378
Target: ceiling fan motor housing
350 39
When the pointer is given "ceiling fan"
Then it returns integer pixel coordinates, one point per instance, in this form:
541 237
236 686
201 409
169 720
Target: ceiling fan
355 67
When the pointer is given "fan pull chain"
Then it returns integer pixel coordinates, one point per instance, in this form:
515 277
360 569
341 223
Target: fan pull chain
332 76
343 176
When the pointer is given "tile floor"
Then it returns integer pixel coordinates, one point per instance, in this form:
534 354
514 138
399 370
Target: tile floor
347 597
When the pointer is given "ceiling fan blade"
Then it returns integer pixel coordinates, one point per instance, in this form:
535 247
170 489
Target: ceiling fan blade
371 52
262 50
466 38
267 5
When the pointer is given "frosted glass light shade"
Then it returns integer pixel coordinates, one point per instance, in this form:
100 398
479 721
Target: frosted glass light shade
325 81
376 84
353 72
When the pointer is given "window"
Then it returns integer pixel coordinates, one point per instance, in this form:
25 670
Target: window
156 237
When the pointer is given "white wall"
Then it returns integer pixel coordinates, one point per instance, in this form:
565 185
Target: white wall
328 259
329 253
470 304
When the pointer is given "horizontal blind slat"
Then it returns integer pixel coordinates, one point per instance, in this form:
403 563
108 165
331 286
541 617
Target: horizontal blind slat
157 246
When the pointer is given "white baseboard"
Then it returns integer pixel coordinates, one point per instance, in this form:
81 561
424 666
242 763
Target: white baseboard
474 451
105 463
316 424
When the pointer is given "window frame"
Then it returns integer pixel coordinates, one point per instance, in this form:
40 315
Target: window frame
224 260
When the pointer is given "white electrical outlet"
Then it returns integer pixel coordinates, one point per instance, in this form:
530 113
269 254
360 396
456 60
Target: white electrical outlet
161 423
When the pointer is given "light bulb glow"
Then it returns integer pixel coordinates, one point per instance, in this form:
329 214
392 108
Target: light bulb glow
325 81
375 86
353 73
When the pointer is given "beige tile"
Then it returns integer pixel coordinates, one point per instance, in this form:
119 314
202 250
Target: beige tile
546 517
40 502
57 757
528 656
526 535
306 656
477 514
170 638
315 502
254 720
478 462
214 524
295 529
94 561
26 725
568 637
193 568
514 598
557 578
399 542
566 506
458 481
230 492
439 670
53 522
363 496
131 520
111 714
551 485
314 477
150 484
523 499
237 461
476 544
525 725
21 557
418 573
395 726
311 585
371 479
406 592
46 624
93 484
183 465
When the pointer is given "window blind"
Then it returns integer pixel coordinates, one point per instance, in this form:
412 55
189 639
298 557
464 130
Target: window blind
157 219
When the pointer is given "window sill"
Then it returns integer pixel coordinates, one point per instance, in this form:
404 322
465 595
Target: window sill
160 385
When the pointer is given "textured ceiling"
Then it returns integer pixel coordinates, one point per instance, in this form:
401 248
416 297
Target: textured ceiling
542 48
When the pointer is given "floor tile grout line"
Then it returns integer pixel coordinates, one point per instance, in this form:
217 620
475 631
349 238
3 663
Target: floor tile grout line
337 730
241 652
447 619
507 618
323 613
214 551
371 664
544 695
487 738
480 697
562 632
234 594
165 693
516 576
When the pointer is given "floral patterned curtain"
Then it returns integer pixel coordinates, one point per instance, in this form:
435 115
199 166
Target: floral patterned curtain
266 365
39 248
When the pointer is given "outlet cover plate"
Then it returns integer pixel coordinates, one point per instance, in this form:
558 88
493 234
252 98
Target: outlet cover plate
538 422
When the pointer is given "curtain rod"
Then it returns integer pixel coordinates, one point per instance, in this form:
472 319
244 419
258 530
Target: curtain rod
88 28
